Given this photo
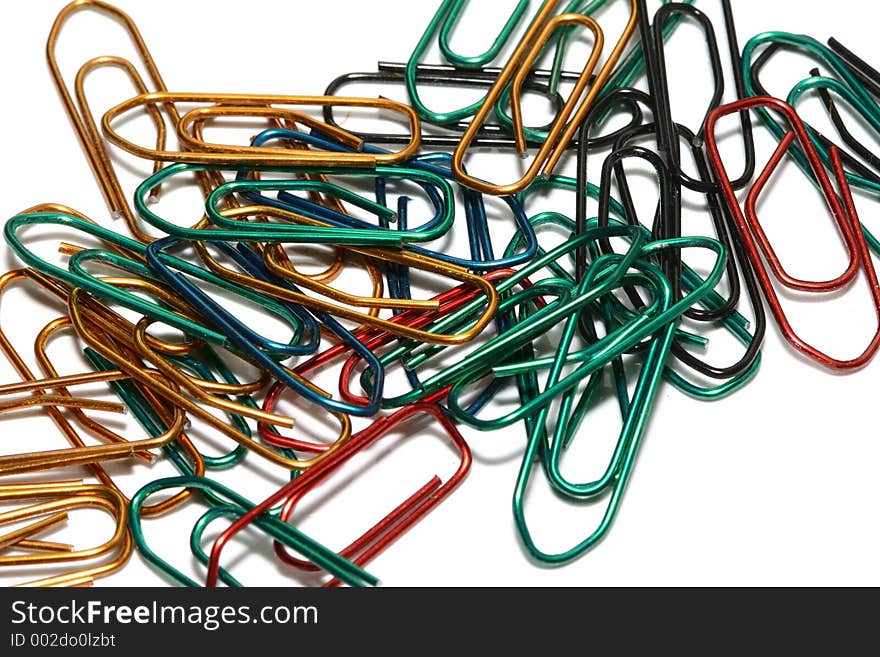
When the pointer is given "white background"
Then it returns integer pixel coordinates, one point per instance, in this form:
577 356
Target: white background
776 485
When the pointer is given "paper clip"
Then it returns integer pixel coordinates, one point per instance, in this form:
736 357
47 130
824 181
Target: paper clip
758 246
64 496
386 531
365 548
232 156
574 111
80 114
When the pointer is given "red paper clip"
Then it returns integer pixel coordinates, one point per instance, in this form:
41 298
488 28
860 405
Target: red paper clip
387 530
755 239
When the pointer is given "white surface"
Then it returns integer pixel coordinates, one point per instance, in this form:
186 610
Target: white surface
774 486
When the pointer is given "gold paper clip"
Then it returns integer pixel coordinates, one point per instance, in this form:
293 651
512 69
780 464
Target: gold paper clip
569 118
256 156
56 500
80 114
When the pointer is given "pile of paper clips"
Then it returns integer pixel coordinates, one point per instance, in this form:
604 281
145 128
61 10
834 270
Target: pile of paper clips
539 322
